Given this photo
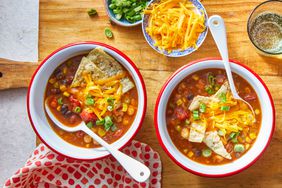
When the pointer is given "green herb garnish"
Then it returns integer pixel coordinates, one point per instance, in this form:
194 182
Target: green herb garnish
222 97
92 12
108 33
89 101
77 109
100 122
225 108
89 124
108 123
203 107
60 101
196 114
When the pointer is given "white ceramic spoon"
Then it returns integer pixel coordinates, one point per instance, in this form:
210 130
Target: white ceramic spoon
135 169
217 28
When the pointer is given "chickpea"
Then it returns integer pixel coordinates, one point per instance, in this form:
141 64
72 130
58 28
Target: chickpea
130 110
87 139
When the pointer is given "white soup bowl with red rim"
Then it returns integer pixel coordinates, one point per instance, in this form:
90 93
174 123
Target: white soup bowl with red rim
36 92
236 166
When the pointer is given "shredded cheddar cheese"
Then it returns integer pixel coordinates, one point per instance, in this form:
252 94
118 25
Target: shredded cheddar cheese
101 91
174 24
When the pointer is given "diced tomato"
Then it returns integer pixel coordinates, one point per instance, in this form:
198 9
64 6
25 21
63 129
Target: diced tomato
53 103
180 113
74 101
88 116
220 78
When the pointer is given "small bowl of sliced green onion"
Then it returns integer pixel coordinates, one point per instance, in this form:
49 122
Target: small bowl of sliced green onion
126 13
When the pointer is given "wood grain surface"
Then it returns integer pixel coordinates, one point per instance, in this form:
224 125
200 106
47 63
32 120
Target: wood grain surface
65 21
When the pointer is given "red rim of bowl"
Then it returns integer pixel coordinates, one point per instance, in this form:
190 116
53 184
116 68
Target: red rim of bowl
105 46
172 157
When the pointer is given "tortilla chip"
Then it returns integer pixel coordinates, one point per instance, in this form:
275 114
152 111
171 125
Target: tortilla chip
87 66
101 66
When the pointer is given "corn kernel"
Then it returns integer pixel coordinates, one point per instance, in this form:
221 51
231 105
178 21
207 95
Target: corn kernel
247 146
195 77
52 80
59 108
130 110
56 85
178 128
63 88
87 145
66 94
179 102
248 140
257 111
252 136
65 70
185 150
124 107
184 99
190 154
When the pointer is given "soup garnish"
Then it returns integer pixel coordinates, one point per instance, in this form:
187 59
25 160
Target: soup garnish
95 89
206 123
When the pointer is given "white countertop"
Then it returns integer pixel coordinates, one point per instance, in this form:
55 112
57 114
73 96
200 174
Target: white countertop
17 140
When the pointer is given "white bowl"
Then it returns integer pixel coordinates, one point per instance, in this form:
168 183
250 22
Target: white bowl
262 141
35 100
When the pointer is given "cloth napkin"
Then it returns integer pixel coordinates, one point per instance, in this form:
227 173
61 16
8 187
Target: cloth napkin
48 169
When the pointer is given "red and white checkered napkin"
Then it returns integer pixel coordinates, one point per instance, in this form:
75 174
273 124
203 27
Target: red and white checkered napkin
48 169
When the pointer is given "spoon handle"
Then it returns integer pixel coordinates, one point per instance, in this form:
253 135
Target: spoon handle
134 168
217 28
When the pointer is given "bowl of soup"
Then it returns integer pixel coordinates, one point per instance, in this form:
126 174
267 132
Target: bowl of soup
203 128
90 82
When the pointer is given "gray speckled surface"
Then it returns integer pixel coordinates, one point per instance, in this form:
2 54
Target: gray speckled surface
17 139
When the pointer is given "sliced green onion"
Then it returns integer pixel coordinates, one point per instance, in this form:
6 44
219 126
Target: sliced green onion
225 108
239 148
206 152
89 101
187 122
77 109
108 33
209 89
232 135
108 123
211 79
222 97
100 122
60 101
202 107
110 100
196 115
89 124
92 12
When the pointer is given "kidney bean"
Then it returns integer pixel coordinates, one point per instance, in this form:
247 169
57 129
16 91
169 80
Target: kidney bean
64 109
60 76
55 91
73 118
68 113
229 147
190 96
180 113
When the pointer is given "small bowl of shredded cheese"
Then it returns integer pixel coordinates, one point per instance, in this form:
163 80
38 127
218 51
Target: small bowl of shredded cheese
175 28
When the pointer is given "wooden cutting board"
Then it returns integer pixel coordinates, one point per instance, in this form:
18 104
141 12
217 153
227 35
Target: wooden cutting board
65 21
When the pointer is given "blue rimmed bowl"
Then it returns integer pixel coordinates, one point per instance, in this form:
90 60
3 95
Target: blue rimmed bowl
176 53
122 22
